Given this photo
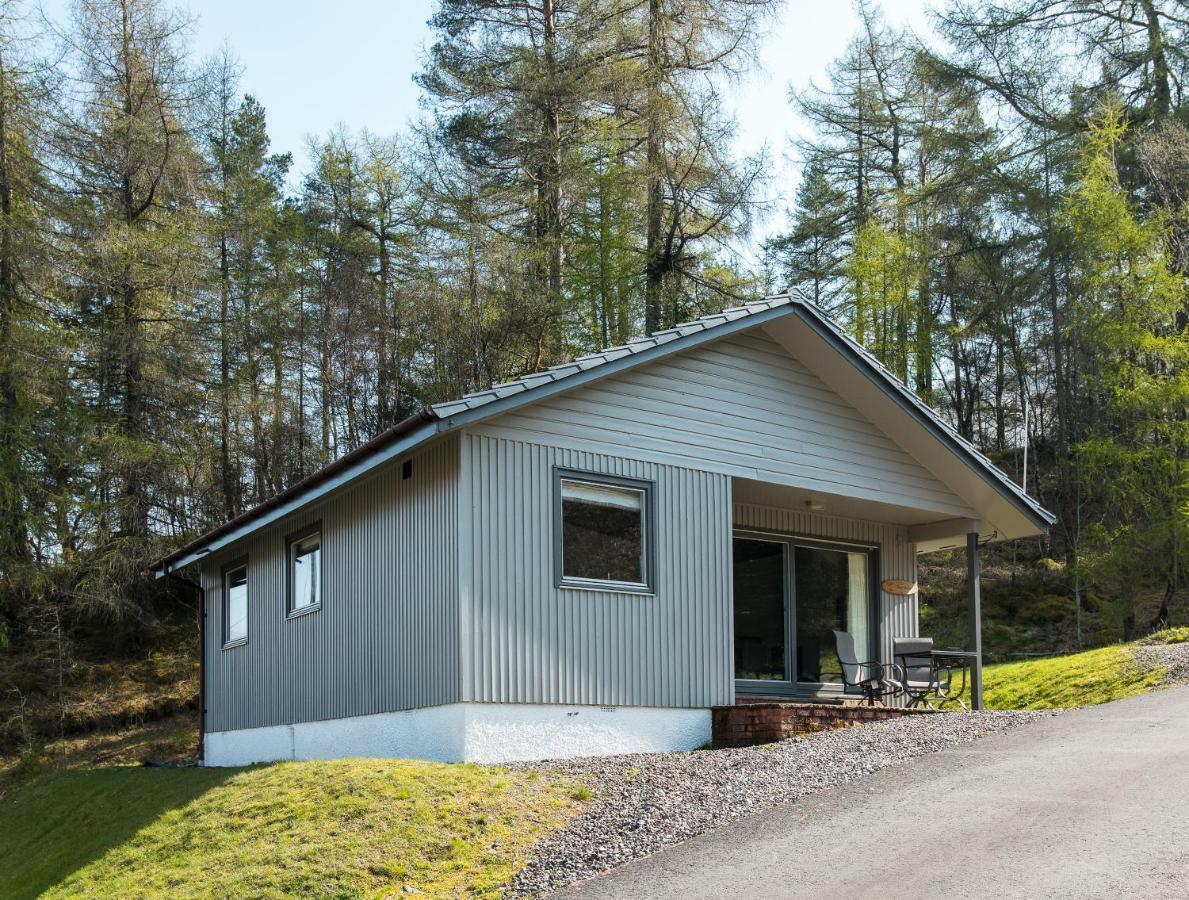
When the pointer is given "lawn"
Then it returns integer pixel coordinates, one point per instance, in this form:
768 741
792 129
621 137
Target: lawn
1075 679
1078 679
344 828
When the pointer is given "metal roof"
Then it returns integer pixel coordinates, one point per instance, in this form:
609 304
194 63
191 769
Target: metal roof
441 417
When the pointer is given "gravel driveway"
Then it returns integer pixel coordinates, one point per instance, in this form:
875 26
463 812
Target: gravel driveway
644 803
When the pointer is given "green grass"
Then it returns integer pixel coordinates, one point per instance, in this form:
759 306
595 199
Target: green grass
1168 636
344 828
1077 679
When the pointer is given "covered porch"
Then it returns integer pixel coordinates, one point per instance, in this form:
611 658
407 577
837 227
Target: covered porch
806 564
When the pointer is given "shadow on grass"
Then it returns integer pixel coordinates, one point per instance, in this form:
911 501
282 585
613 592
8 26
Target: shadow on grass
56 824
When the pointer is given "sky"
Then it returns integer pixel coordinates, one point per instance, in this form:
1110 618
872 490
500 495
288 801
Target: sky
314 72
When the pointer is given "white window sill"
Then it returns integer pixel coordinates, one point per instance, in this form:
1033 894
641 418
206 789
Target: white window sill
608 587
304 611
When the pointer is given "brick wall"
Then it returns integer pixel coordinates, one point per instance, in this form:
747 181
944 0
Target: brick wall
753 722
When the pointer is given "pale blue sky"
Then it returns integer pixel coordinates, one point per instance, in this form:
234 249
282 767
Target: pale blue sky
316 64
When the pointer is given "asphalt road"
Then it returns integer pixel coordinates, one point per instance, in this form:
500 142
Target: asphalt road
1091 803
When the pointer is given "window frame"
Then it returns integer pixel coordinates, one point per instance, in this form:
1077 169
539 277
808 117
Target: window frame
240 562
647 533
291 541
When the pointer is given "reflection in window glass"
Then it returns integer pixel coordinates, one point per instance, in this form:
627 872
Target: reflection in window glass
602 532
832 593
759 609
235 586
306 582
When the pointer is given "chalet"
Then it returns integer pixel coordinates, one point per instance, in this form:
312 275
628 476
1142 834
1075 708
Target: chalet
589 559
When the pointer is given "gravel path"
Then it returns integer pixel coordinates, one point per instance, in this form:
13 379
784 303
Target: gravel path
1173 657
644 803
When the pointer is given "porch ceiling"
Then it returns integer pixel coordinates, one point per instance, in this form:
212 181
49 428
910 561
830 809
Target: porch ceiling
764 493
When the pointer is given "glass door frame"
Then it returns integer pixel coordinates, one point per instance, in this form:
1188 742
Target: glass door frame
792 687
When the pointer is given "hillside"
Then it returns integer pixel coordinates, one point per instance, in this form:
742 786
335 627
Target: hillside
1028 604
1091 676
92 705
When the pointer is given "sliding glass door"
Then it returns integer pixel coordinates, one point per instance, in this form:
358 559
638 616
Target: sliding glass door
790 597
761 620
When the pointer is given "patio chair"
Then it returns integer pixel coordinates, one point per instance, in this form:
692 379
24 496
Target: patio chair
874 679
926 680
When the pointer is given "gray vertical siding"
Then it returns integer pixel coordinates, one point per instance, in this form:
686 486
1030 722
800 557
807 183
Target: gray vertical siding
386 637
897 557
529 641
741 406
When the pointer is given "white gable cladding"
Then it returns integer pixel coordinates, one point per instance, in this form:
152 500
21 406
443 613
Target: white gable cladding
740 406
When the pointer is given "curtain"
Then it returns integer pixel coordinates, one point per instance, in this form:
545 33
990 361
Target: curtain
857 604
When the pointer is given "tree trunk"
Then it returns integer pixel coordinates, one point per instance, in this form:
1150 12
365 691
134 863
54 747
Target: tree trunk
654 272
134 507
13 536
551 186
1160 101
384 404
230 487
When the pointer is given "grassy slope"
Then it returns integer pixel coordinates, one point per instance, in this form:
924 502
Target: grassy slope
354 827
1079 679
1075 679
344 828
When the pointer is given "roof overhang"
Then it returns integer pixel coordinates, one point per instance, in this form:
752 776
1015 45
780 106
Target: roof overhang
1003 509
388 445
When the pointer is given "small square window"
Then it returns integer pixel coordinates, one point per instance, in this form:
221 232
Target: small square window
603 532
305 570
235 604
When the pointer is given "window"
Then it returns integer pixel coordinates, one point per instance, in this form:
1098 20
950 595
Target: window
602 530
235 604
305 570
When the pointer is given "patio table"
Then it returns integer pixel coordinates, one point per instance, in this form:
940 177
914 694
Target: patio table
944 659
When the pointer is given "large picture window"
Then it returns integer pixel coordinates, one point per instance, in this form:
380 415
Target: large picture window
305 570
603 536
235 604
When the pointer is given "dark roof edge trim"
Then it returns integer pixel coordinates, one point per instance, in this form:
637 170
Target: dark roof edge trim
424 424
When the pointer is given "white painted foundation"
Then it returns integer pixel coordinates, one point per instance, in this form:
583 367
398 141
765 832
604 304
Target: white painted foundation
469 732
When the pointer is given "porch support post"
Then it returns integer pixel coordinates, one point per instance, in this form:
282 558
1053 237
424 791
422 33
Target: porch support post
975 611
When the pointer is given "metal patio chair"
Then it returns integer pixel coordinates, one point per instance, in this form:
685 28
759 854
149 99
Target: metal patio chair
925 678
874 679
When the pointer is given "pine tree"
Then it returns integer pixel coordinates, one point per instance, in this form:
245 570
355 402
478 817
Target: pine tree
811 256
1135 340
24 326
131 254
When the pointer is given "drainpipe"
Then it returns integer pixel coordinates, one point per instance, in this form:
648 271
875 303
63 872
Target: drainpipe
201 591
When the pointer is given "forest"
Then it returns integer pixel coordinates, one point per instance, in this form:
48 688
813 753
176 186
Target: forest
999 212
